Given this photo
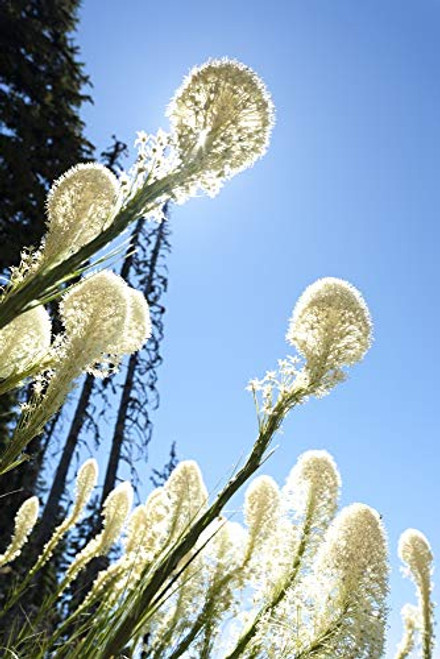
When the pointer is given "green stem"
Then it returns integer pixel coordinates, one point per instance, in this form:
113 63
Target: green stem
321 642
129 626
268 608
427 627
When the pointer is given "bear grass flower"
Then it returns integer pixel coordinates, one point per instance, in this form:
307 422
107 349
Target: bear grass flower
104 316
25 520
104 320
350 586
115 511
86 480
314 482
80 205
331 328
261 510
25 343
221 118
415 552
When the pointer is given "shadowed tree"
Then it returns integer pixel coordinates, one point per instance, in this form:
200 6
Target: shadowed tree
41 132
41 136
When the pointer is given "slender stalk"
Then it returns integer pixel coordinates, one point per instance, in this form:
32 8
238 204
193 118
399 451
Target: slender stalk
321 642
151 593
268 608
427 635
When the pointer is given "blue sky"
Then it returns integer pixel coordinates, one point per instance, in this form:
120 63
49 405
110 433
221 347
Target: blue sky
349 188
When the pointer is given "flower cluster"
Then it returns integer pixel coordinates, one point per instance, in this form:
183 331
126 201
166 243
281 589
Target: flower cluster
80 205
221 117
331 328
104 316
415 552
25 343
299 580
232 565
25 521
104 319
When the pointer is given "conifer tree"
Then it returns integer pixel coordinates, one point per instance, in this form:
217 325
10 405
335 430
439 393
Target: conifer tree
41 133
42 86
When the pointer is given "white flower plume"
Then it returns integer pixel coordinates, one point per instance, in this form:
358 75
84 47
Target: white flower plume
261 511
25 520
115 511
104 316
138 323
351 577
313 482
80 205
24 342
221 118
331 327
187 495
416 554
85 482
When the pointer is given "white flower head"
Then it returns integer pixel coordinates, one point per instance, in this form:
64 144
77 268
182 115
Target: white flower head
25 341
86 480
331 327
415 552
138 323
104 316
354 543
261 510
80 206
25 520
95 311
313 486
187 494
222 117
115 511
351 576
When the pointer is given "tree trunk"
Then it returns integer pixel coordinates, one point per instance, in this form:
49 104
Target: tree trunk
59 482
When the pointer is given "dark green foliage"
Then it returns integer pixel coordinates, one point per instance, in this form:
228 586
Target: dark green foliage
41 136
41 133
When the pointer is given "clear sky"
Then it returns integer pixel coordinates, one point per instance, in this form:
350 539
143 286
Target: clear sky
349 188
